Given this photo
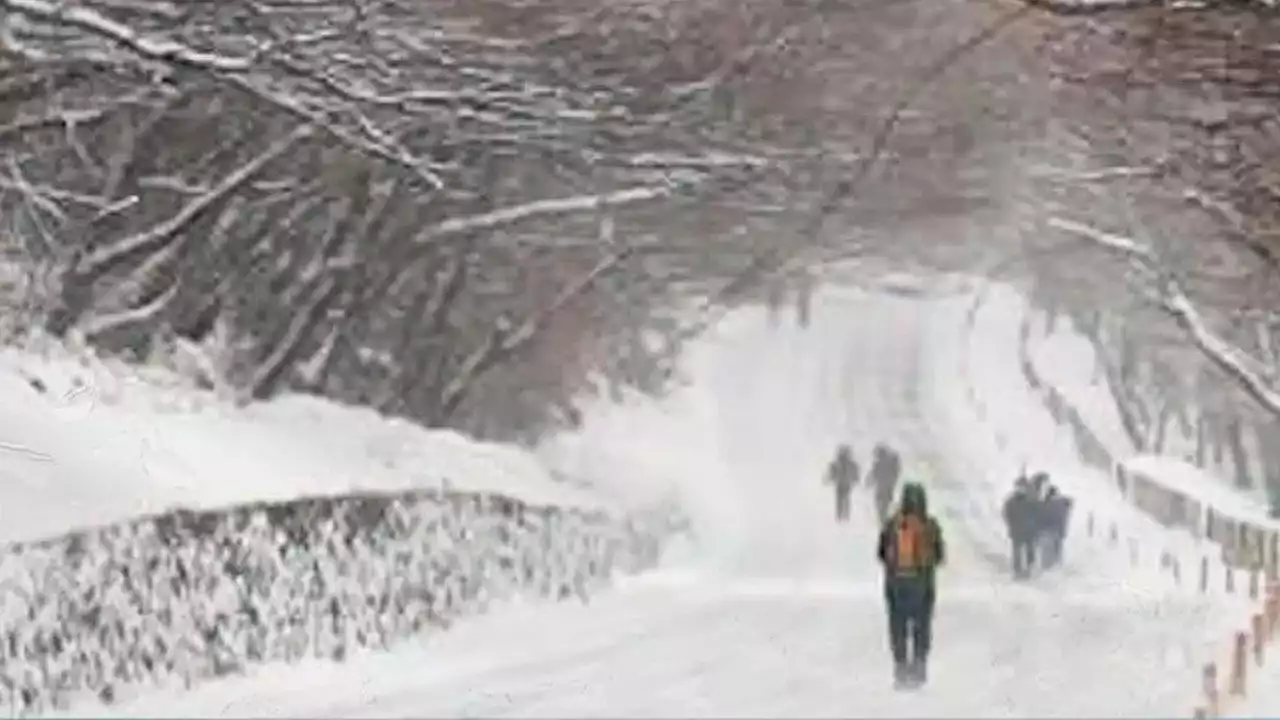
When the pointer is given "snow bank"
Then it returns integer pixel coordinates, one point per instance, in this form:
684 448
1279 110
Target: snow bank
86 442
185 597
1064 359
1186 479
154 533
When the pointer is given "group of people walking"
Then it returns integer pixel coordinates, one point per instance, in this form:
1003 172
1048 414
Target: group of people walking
844 474
1037 516
910 546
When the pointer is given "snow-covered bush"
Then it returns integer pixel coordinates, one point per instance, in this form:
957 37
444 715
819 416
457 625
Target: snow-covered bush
187 596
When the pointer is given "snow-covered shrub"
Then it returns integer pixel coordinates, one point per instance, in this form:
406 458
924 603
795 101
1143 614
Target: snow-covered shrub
186 596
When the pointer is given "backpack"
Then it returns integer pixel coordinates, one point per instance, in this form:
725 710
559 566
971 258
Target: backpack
910 549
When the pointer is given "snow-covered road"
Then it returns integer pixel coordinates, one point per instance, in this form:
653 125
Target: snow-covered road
784 618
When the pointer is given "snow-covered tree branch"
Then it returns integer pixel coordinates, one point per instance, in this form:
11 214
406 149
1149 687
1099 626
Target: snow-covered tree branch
1256 378
349 197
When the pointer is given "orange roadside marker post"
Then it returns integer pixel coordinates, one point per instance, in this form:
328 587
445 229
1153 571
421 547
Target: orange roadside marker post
1210 680
1240 666
1259 638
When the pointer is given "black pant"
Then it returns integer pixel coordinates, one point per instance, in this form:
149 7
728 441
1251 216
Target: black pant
1052 554
1024 556
842 505
883 505
910 603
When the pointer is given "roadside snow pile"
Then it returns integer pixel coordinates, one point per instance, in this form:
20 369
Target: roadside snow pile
184 597
1062 366
1183 478
87 442
154 532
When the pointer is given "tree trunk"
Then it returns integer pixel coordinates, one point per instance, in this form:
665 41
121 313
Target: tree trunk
1217 439
1202 438
1239 455
1161 427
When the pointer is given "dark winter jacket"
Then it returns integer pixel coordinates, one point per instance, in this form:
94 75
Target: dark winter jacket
886 467
1057 510
914 502
1022 515
843 471
884 475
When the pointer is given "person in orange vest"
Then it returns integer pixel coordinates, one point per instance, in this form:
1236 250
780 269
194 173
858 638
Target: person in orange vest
911 549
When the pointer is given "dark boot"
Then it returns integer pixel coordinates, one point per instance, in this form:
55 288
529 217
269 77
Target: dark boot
921 638
902 674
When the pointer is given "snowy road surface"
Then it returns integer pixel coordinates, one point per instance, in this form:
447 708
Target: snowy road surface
787 620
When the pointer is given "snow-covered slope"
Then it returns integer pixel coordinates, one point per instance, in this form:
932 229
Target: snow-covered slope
1003 427
85 442
1006 347
1066 360
305 529
773 609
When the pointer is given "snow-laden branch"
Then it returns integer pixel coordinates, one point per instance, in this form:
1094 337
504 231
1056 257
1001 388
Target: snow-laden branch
1059 174
503 342
1253 376
234 70
542 208
711 160
161 233
121 35
1240 233
64 117
1092 7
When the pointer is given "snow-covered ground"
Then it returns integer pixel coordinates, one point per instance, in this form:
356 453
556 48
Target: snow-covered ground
97 444
1065 359
773 609
1015 428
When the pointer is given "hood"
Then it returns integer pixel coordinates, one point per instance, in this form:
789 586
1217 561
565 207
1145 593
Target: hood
914 499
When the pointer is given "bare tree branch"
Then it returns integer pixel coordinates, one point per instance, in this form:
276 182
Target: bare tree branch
1253 376
502 342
